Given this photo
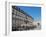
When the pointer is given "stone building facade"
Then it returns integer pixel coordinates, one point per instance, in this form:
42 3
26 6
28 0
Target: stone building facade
20 19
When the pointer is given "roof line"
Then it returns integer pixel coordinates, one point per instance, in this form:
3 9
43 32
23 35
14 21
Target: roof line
22 11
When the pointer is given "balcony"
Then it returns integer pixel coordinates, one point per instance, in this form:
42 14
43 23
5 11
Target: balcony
19 17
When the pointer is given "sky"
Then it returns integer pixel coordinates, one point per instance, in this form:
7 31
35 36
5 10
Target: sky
35 12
